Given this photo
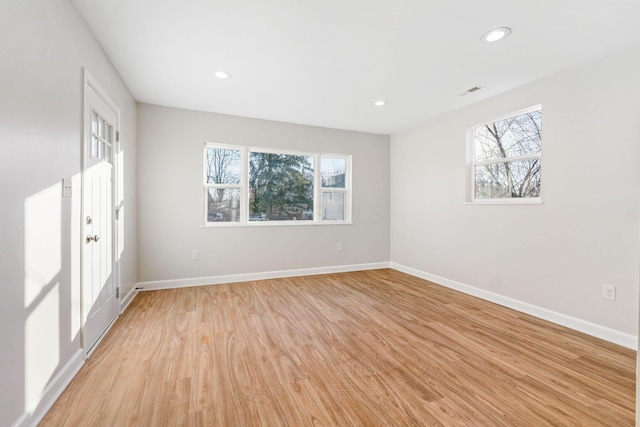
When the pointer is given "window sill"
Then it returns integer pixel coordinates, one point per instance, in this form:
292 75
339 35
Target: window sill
536 201
273 224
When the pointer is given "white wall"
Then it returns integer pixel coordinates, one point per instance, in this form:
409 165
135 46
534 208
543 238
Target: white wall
44 46
171 143
556 255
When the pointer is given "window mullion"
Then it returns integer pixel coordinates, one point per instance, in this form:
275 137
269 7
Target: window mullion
244 181
231 184
505 178
236 186
317 189
507 159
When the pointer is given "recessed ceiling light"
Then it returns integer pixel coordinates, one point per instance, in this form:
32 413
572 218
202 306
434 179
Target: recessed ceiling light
496 34
221 74
380 103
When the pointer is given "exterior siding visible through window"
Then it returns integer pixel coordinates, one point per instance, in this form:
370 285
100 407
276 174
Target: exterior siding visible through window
245 186
334 189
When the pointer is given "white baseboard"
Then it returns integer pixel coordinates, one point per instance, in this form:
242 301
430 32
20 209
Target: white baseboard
32 416
233 278
617 337
128 298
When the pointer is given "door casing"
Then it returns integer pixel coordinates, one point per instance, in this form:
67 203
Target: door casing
90 84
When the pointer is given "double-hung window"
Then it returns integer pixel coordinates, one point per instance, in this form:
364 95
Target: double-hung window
223 184
333 179
260 186
504 159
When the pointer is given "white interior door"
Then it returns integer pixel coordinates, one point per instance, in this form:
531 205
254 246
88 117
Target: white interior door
98 285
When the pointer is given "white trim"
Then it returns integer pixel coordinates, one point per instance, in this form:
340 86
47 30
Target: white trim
299 223
104 334
128 299
63 378
347 190
536 107
470 169
32 416
246 277
92 84
243 186
507 159
22 420
507 201
614 336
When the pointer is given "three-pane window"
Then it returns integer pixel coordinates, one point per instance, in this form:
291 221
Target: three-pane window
263 186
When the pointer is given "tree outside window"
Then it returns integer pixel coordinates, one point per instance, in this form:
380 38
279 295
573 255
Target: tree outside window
280 187
223 184
506 157
246 186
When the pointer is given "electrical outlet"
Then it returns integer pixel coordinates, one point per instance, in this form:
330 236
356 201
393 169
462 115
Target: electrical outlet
439 255
195 255
339 246
609 292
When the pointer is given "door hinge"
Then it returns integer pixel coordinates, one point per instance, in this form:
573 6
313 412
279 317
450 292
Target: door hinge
117 136
117 292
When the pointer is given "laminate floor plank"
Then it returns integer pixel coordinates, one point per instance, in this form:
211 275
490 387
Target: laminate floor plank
371 348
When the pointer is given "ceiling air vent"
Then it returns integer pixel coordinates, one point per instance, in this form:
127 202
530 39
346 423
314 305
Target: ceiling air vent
470 90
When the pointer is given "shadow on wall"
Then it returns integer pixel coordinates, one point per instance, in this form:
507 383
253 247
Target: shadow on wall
51 320
47 305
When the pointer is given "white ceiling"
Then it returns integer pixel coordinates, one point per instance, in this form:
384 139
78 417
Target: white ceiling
324 62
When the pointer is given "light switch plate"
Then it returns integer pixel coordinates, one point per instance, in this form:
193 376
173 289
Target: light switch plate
67 188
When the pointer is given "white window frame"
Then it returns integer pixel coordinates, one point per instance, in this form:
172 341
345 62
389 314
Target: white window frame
472 163
243 186
346 190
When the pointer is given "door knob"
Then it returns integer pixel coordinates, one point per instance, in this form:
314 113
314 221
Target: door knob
96 238
91 238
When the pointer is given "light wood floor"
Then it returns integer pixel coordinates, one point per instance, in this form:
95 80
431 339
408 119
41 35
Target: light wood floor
376 348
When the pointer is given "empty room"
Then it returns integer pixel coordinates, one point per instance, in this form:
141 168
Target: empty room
327 213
